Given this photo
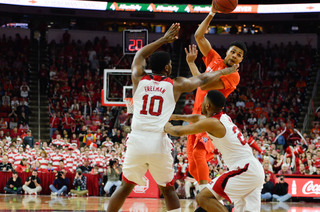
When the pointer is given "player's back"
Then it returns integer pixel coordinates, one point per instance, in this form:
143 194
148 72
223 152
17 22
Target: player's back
233 146
153 103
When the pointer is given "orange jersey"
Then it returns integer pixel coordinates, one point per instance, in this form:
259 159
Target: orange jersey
214 62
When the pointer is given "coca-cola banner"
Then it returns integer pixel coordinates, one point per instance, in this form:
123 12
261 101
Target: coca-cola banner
303 187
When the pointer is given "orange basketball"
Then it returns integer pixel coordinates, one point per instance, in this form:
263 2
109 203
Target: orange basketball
225 6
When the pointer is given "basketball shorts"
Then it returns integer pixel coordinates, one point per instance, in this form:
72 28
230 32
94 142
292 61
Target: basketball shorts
242 186
148 151
203 138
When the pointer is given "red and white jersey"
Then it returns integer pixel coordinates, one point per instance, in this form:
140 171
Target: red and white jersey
153 103
100 161
107 143
7 145
18 157
58 142
71 162
55 158
11 156
232 146
43 162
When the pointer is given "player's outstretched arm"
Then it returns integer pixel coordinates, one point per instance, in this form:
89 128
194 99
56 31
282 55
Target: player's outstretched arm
193 118
139 60
189 84
203 43
191 56
211 125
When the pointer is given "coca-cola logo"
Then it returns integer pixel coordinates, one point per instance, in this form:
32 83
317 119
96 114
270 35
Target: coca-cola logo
310 188
142 189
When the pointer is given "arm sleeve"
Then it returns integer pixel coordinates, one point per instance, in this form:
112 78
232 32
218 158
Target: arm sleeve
19 182
212 56
84 182
75 182
66 182
9 182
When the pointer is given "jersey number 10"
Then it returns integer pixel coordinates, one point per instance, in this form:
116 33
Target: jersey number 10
153 100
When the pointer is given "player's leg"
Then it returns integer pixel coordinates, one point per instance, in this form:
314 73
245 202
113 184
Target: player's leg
161 169
192 164
119 196
209 202
253 201
171 198
199 156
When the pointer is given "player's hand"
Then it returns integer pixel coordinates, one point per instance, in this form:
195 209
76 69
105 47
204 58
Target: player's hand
230 70
172 33
168 125
173 117
192 54
214 9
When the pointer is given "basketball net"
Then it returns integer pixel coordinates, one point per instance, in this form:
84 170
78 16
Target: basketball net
129 103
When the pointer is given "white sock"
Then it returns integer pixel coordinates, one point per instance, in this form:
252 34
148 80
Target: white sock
175 210
202 186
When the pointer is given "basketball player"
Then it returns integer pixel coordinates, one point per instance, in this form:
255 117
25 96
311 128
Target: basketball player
154 99
243 182
199 151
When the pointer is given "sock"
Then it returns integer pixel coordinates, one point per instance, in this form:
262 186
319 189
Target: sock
202 186
175 210
200 210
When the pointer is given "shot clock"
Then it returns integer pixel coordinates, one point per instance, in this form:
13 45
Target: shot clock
133 40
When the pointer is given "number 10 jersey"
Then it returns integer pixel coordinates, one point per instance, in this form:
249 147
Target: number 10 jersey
153 103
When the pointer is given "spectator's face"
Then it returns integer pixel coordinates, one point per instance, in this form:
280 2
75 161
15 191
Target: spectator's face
34 173
267 177
5 159
301 167
265 166
284 168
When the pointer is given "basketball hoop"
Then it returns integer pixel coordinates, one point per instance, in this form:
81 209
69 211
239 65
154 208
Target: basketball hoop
129 103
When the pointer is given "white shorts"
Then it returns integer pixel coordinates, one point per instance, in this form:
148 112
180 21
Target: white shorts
148 151
241 186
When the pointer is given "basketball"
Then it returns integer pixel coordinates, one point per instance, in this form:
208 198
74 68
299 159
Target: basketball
225 6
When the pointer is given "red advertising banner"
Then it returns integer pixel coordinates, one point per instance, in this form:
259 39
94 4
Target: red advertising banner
303 209
150 190
303 187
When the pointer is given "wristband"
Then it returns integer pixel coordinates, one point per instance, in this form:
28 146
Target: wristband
211 13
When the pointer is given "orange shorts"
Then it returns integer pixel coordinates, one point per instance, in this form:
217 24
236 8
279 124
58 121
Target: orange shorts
203 138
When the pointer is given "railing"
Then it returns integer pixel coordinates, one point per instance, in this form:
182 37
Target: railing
39 114
314 92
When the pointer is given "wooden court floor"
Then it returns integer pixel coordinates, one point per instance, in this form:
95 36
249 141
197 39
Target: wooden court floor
47 203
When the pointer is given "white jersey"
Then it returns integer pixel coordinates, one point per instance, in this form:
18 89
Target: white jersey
233 146
153 103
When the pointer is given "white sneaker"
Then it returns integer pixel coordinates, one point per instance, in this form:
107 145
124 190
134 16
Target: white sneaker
53 194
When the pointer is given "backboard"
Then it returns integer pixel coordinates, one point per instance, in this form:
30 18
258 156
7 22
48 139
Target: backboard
117 86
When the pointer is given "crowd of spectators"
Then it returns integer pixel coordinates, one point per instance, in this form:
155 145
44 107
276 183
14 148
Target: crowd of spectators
14 84
86 137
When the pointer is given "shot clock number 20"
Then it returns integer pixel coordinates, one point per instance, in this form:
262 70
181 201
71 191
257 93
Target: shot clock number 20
133 40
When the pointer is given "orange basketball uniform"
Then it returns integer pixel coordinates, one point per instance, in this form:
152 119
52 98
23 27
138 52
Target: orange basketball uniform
213 62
